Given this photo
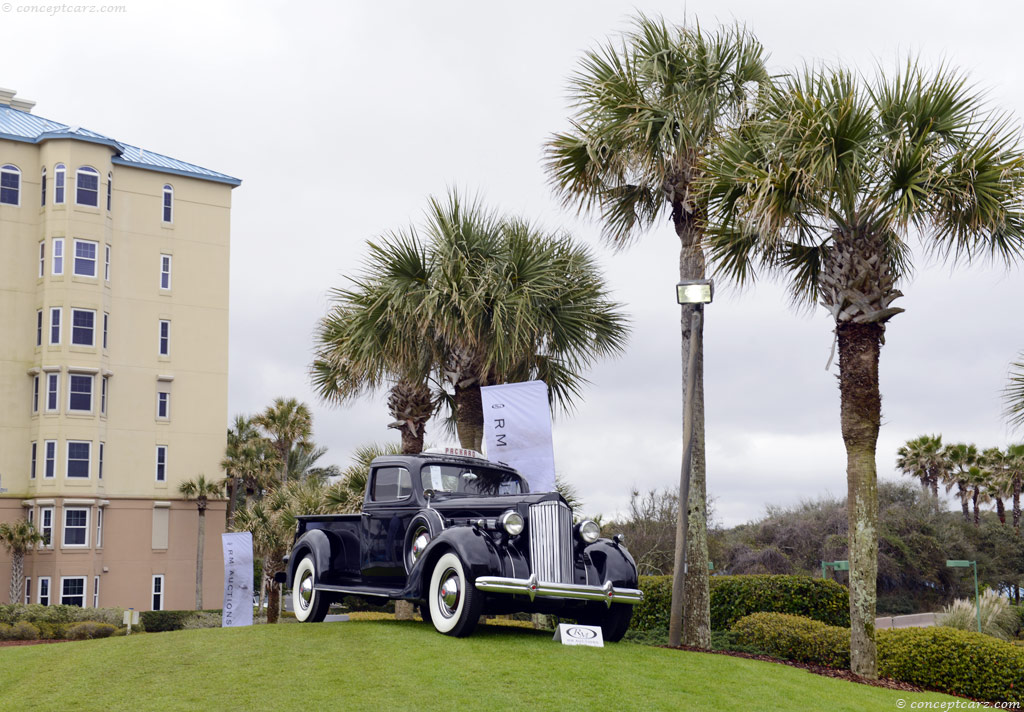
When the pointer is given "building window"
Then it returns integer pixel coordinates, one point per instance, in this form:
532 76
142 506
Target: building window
39 327
35 452
103 395
72 591
85 258
163 405
165 271
168 204
10 185
42 181
110 189
76 526
95 591
165 337
44 590
161 463
106 263
99 528
35 394
28 590
83 327
42 258
79 455
58 184
99 474
87 187
106 323
52 392
55 326
158 592
58 256
46 527
80 392
50 465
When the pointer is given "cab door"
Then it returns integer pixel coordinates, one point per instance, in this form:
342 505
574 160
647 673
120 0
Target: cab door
387 512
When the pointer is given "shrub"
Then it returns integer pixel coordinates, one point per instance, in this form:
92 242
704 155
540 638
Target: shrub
730 640
160 621
34 613
954 661
997 617
733 597
23 630
795 638
652 613
203 619
89 630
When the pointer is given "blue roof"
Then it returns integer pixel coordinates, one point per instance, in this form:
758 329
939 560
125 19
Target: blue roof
21 126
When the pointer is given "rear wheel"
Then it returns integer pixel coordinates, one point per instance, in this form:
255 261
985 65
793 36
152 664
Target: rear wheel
454 602
308 604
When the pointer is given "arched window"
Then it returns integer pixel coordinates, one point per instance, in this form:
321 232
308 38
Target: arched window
42 182
87 187
10 185
168 204
110 189
58 184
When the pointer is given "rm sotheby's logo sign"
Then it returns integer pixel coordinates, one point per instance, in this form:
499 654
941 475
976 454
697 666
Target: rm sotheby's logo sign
575 634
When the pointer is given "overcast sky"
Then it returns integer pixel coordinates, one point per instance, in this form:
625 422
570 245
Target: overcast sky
341 118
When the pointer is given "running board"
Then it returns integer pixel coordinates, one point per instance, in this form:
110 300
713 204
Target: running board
362 591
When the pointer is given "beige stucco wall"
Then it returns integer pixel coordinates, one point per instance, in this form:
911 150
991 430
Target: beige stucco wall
195 371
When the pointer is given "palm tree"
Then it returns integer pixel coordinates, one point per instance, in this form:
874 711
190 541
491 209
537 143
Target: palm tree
1015 473
240 435
287 423
978 481
997 487
961 458
302 463
826 187
346 495
647 112
200 490
1013 395
922 458
18 538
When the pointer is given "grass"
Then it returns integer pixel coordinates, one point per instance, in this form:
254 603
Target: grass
390 665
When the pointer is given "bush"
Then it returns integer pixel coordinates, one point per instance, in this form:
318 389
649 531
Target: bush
160 621
730 640
203 619
795 638
954 661
35 613
998 619
89 630
652 613
733 597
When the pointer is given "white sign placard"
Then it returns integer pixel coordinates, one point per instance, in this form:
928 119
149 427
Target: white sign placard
237 609
576 634
517 431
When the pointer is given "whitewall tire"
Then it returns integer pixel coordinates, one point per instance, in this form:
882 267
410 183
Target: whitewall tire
308 604
454 602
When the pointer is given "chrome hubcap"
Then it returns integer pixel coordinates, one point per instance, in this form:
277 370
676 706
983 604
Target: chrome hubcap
419 543
448 594
306 590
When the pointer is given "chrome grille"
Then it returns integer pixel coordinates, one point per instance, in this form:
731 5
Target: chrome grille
551 542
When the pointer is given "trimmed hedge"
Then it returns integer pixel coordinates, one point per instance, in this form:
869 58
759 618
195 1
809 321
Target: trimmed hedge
22 630
796 638
956 661
733 597
162 621
34 613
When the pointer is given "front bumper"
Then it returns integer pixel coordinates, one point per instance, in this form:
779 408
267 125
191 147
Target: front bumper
532 587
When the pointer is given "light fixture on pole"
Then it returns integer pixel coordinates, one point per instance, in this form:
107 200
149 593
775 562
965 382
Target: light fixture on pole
841 565
694 293
963 564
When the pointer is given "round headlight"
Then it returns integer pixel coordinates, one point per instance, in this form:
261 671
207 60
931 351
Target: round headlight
512 523
589 531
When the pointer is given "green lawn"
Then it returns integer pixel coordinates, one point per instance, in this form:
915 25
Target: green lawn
388 665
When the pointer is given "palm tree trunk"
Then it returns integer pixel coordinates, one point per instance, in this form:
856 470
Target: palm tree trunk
696 597
861 415
1001 510
964 500
232 493
270 567
935 487
199 558
412 444
17 576
974 500
469 417
1016 506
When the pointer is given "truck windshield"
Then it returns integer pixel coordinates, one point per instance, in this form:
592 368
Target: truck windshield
472 480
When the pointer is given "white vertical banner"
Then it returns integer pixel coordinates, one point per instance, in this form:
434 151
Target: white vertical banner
517 431
237 610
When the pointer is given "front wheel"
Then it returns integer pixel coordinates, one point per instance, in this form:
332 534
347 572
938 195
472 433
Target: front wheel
308 604
614 621
454 602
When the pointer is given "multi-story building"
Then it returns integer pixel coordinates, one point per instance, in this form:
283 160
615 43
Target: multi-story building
113 362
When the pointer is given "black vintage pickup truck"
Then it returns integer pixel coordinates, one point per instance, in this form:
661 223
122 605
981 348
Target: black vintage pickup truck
461 536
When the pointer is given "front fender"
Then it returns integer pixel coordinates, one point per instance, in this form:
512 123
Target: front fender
478 553
611 562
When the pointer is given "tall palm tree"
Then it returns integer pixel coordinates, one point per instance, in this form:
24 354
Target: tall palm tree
826 187
287 423
18 538
978 481
240 434
961 457
251 465
647 110
1015 473
201 491
997 487
302 463
346 495
922 458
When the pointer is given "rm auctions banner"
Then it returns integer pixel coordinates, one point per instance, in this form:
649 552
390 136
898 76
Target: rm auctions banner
237 580
517 431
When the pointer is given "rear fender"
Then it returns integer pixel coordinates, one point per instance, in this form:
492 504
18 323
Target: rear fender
313 542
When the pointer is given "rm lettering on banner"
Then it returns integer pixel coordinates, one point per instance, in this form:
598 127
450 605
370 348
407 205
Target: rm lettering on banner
237 609
517 431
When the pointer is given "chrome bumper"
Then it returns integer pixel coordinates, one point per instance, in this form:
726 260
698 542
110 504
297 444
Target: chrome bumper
532 587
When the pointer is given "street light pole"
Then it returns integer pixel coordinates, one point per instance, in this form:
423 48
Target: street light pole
698 293
963 564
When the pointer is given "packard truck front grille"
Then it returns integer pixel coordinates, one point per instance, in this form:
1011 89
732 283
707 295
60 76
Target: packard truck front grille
551 542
